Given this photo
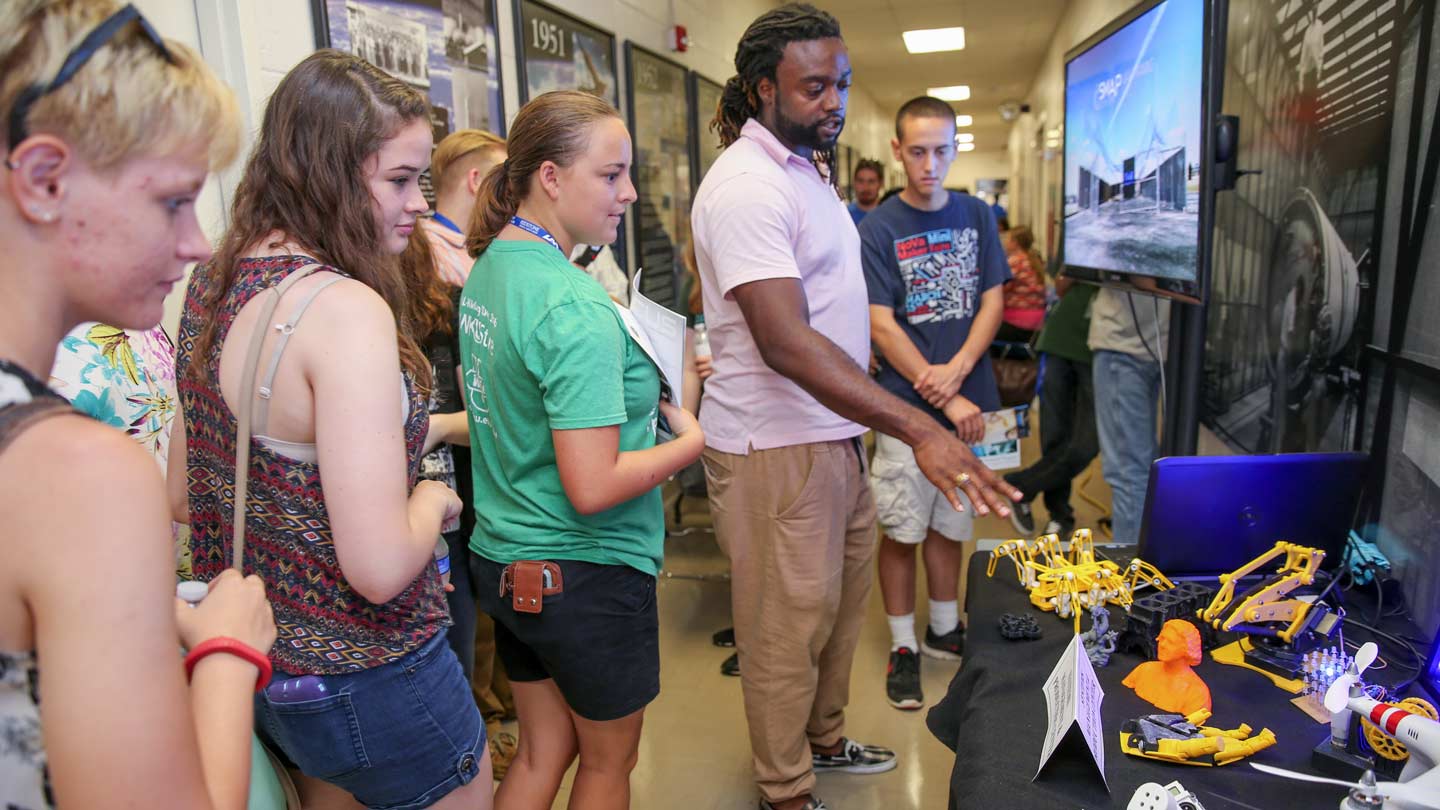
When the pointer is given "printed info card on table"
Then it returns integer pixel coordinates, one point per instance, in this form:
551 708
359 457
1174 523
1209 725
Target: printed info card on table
1073 696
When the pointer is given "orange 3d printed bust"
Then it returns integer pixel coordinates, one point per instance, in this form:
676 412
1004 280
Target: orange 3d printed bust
1169 682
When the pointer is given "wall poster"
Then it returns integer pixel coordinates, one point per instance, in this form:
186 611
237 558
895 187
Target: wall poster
660 123
705 101
1296 248
445 48
561 52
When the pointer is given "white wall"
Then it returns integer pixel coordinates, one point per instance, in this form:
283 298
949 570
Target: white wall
1034 170
970 167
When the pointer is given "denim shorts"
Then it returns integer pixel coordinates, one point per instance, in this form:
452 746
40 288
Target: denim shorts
599 639
397 736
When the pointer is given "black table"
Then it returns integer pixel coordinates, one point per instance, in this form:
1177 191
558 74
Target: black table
994 717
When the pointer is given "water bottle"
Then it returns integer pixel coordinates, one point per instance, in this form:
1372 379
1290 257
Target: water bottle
442 559
702 338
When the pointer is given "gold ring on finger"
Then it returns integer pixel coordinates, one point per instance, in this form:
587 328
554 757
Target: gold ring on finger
962 479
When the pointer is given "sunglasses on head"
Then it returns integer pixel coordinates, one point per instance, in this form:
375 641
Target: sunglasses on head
94 41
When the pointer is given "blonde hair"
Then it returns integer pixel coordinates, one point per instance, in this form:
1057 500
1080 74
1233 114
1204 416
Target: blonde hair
454 148
127 101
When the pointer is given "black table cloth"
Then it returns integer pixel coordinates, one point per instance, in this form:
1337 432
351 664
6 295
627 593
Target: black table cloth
994 717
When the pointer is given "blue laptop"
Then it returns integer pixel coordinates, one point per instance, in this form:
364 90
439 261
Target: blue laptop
1208 515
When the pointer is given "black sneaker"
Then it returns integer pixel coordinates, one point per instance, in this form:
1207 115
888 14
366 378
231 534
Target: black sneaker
1023 519
813 804
731 666
724 638
948 647
902 680
855 758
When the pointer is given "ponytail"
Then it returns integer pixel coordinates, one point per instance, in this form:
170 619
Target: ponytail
495 203
737 105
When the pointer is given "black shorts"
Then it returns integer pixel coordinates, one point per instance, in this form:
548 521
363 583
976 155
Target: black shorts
599 639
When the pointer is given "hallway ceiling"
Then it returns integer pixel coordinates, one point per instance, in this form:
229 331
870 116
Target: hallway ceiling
1005 44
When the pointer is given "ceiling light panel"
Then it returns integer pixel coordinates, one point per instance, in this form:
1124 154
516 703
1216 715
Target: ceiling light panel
934 40
964 121
958 92
965 147
965 137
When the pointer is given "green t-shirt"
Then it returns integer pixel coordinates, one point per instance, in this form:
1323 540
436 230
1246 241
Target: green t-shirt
1067 329
543 348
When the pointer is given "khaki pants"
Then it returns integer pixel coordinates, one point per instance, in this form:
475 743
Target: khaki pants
798 524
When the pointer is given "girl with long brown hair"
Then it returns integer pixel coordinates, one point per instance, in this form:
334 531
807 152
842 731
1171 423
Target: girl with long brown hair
563 407
367 700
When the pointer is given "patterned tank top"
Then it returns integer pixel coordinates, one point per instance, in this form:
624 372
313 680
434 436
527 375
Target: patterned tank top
325 626
24 782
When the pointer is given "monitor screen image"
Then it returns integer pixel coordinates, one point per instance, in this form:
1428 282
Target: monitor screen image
1133 104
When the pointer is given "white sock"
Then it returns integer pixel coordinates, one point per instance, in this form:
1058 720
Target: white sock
944 616
902 632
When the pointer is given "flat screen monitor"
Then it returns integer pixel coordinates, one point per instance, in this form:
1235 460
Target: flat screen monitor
1135 205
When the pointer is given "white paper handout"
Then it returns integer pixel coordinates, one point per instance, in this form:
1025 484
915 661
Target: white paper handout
660 333
1073 696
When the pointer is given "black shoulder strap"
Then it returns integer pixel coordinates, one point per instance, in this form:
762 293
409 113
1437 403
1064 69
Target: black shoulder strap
14 419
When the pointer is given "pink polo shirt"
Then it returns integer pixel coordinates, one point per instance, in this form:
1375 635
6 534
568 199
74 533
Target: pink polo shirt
764 212
448 246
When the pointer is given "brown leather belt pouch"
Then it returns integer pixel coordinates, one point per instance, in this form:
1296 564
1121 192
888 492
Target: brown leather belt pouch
529 582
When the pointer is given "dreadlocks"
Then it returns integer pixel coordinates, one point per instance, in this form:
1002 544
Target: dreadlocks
756 58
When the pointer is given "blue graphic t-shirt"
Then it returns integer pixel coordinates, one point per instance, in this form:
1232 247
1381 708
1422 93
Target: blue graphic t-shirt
931 268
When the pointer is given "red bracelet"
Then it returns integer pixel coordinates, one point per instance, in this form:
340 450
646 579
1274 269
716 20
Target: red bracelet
239 649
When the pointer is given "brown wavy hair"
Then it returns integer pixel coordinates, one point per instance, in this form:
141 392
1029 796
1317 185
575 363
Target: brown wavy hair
429 310
553 127
305 179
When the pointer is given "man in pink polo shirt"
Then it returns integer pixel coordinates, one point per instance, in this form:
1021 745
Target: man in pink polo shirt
787 313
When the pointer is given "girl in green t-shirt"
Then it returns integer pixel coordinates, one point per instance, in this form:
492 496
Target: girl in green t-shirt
563 408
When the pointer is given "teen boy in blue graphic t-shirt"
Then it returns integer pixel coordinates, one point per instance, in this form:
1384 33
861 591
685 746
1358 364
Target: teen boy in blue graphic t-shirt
934 267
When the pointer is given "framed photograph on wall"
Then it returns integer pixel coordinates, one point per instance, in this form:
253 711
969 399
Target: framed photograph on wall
704 101
559 51
661 123
448 49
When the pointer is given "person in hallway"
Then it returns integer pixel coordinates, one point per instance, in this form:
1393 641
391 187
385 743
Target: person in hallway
102 165
1025 291
1128 335
1068 441
1002 217
563 407
868 177
332 189
934 268
785 307
459 164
